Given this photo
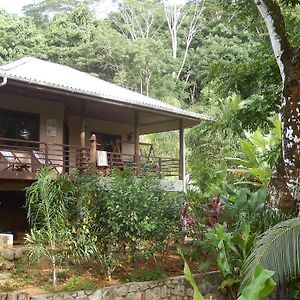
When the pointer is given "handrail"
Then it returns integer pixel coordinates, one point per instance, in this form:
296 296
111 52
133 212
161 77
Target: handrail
65 157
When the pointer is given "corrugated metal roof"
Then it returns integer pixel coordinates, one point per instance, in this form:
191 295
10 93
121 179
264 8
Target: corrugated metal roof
44 73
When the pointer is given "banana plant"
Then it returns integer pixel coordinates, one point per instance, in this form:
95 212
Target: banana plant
189 277
260 286
259 153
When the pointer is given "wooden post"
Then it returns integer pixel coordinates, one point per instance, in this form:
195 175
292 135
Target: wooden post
82 125
93 151
137 142
160 167
182 154
46 154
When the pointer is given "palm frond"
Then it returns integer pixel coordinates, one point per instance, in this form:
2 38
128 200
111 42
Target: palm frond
277 249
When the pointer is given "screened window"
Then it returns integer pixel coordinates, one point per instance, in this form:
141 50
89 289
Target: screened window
19 125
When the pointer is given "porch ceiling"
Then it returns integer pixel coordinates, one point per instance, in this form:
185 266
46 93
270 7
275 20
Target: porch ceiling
151 120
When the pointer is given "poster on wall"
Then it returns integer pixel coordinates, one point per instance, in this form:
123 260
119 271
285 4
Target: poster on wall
51 127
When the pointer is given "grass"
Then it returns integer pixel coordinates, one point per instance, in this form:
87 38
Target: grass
78 283
146 274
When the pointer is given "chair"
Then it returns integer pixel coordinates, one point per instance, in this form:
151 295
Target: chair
40 158
14 161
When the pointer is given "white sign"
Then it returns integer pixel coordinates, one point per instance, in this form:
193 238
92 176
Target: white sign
51 127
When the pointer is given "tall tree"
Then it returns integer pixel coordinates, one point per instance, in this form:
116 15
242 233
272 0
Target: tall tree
284 186
179 13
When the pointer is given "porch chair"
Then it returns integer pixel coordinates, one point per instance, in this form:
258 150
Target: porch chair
40 158
14 161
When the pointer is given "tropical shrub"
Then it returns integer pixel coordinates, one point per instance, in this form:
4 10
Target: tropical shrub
259 154
241 219
131 212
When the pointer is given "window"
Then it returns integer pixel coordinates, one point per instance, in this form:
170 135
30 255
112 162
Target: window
19 126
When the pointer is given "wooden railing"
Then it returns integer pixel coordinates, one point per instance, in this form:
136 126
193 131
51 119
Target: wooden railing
151 166
20 159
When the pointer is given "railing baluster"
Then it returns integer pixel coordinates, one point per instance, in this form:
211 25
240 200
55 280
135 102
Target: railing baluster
46 154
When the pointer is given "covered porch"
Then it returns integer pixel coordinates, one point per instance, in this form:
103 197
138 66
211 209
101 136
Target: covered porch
55 116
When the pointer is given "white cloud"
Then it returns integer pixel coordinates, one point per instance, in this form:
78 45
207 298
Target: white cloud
14 6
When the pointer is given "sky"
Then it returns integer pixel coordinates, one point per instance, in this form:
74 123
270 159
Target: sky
14 6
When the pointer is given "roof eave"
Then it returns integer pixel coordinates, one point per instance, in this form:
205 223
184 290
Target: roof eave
92 97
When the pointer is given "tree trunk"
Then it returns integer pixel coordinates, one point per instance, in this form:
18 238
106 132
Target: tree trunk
284 185
278 194
54 277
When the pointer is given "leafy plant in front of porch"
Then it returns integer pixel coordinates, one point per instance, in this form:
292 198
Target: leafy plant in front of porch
129 213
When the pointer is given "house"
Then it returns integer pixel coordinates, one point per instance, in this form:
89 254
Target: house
57 116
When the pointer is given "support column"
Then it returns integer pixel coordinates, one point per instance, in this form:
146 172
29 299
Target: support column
82 125
93 151
182 153
137 159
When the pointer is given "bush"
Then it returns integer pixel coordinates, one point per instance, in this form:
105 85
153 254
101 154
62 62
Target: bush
147 275
79 283
126 211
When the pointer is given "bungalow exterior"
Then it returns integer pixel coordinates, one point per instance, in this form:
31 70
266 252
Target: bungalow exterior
53 115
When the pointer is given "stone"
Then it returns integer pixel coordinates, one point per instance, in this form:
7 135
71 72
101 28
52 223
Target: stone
38 297
3 296
143 286
97 295
83 297
109 294
7 254
135 296
67 297
12 296
6 240
122 291
57 297
151 295
6 266
164 292
23 296
4 276
19 253
133 288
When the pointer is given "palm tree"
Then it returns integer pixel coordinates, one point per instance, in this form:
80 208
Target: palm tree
277 249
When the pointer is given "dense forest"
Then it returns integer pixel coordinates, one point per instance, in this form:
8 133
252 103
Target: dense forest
213 57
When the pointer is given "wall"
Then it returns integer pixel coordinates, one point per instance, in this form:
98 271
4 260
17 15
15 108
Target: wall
174 288
94 125
46 110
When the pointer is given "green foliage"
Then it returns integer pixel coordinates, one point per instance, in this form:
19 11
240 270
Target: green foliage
18 37
48 217
261 152
294 289
146 274
79 283
277 249
189 277
290 2
260 286
222 241
244 219
126 210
